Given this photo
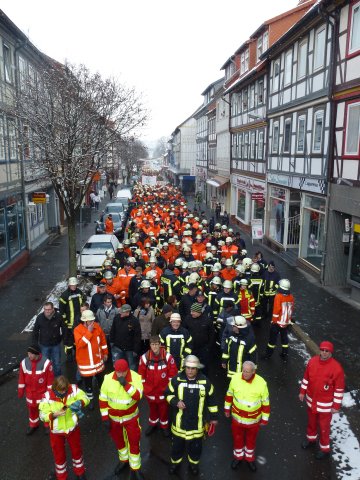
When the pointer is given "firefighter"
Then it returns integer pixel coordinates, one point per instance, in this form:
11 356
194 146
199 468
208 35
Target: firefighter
246 300
247 402
170 283
228 273
190 392
61 407
256 286
157 367
323 388
281 319
109 225
271 284
35 378
239 346
91 352
119 396
176 339
70 302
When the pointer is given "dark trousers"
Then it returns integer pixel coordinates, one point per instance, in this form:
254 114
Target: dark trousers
178 446
88 383
274 332
267 305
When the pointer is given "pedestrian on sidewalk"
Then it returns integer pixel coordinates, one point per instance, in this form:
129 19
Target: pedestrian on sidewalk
96 200
61 407
35 378
120 394
91 352
323 388
49 330
217 210
247 402
157 367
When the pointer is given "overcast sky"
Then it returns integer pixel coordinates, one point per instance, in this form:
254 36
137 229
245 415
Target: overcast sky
171 51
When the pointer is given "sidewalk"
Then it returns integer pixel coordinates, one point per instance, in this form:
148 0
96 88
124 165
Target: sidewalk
319 314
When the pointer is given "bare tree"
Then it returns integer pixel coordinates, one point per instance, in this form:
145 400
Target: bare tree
160 147
131 152
73 117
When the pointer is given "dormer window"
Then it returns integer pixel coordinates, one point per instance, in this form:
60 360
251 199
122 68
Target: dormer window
244 61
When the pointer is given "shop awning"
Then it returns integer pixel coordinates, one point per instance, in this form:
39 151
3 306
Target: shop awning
217 181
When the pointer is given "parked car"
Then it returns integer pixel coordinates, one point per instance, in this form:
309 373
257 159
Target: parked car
116 207
124 196
117 221
92 255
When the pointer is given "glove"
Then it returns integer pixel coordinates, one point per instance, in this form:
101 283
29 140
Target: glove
122 381
107 425
74 407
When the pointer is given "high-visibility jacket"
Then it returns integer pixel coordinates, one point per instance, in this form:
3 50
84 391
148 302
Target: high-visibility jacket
228 251
238 350
125 278
109 226
158 272
170 285
197 249
177 342
323 384
283 309
90 350
248 400
227 274
271 283
120 403
35 378
247 304
156 371
198 395
50 404
256 287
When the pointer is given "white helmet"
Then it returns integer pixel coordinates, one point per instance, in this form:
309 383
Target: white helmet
185 265
216 268
214 248
107 252
175 316
178 262
150 275
193 264
192 278
87 316
227 284
152 259
284 284
110 255
229 262
127 242
145 284
247 262
255 268
244 282
239 321
243 252
240 268
208 256
121 245
199 263
192 361
108 275
216 281
107 263
228 240
73 281
223 227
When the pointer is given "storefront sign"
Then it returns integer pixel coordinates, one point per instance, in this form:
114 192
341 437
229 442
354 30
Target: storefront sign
39 197
257 229
299 183
148 180
247 183
257 196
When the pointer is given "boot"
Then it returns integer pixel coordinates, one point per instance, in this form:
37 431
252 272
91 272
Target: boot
173 467
165 432
120 467
31 430
306 444
320 455
267 354
284 355
81 477
150 429
235 463
194 469
138 475
252 466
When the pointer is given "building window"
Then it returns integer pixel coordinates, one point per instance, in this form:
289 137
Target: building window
7 64
22 73
352 134
300 144
265 41
276 75
233 149
302 60
260 92
240 145
260 151
287 135
40 212
319 53
241 205
313 232
12 140
245 99
252 97
246 144
318 131
244 61
288 67
276 214
275 138
259 49
2 141
354 43
252 145
12 228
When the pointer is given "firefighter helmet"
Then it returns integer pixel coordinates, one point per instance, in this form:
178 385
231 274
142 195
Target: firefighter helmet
229 262
145 284
284 284
108 275
216 281
227 284
255 268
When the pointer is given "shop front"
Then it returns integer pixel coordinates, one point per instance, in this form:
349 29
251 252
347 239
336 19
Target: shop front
312 242
248 199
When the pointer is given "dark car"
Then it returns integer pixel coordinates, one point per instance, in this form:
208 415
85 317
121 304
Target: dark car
119 225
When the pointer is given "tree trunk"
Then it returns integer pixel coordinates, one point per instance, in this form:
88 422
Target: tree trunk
72 245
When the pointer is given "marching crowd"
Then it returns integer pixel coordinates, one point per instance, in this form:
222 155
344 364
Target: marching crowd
178 291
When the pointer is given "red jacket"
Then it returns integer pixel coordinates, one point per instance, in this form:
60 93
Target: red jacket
323 384
283 309
156 373
90 350
35 378
247 304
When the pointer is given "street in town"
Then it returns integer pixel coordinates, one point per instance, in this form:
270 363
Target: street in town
319 315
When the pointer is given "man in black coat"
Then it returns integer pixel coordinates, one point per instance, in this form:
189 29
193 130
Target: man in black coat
187 300
48 333
97 300
125 337
201 328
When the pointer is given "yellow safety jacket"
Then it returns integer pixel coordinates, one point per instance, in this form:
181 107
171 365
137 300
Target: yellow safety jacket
51 404
118 402
248 400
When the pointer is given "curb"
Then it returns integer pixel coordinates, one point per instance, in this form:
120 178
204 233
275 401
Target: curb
305 338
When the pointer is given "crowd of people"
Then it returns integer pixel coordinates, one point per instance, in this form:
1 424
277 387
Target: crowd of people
178 292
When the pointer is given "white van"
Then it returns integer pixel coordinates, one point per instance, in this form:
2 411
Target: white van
124 193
